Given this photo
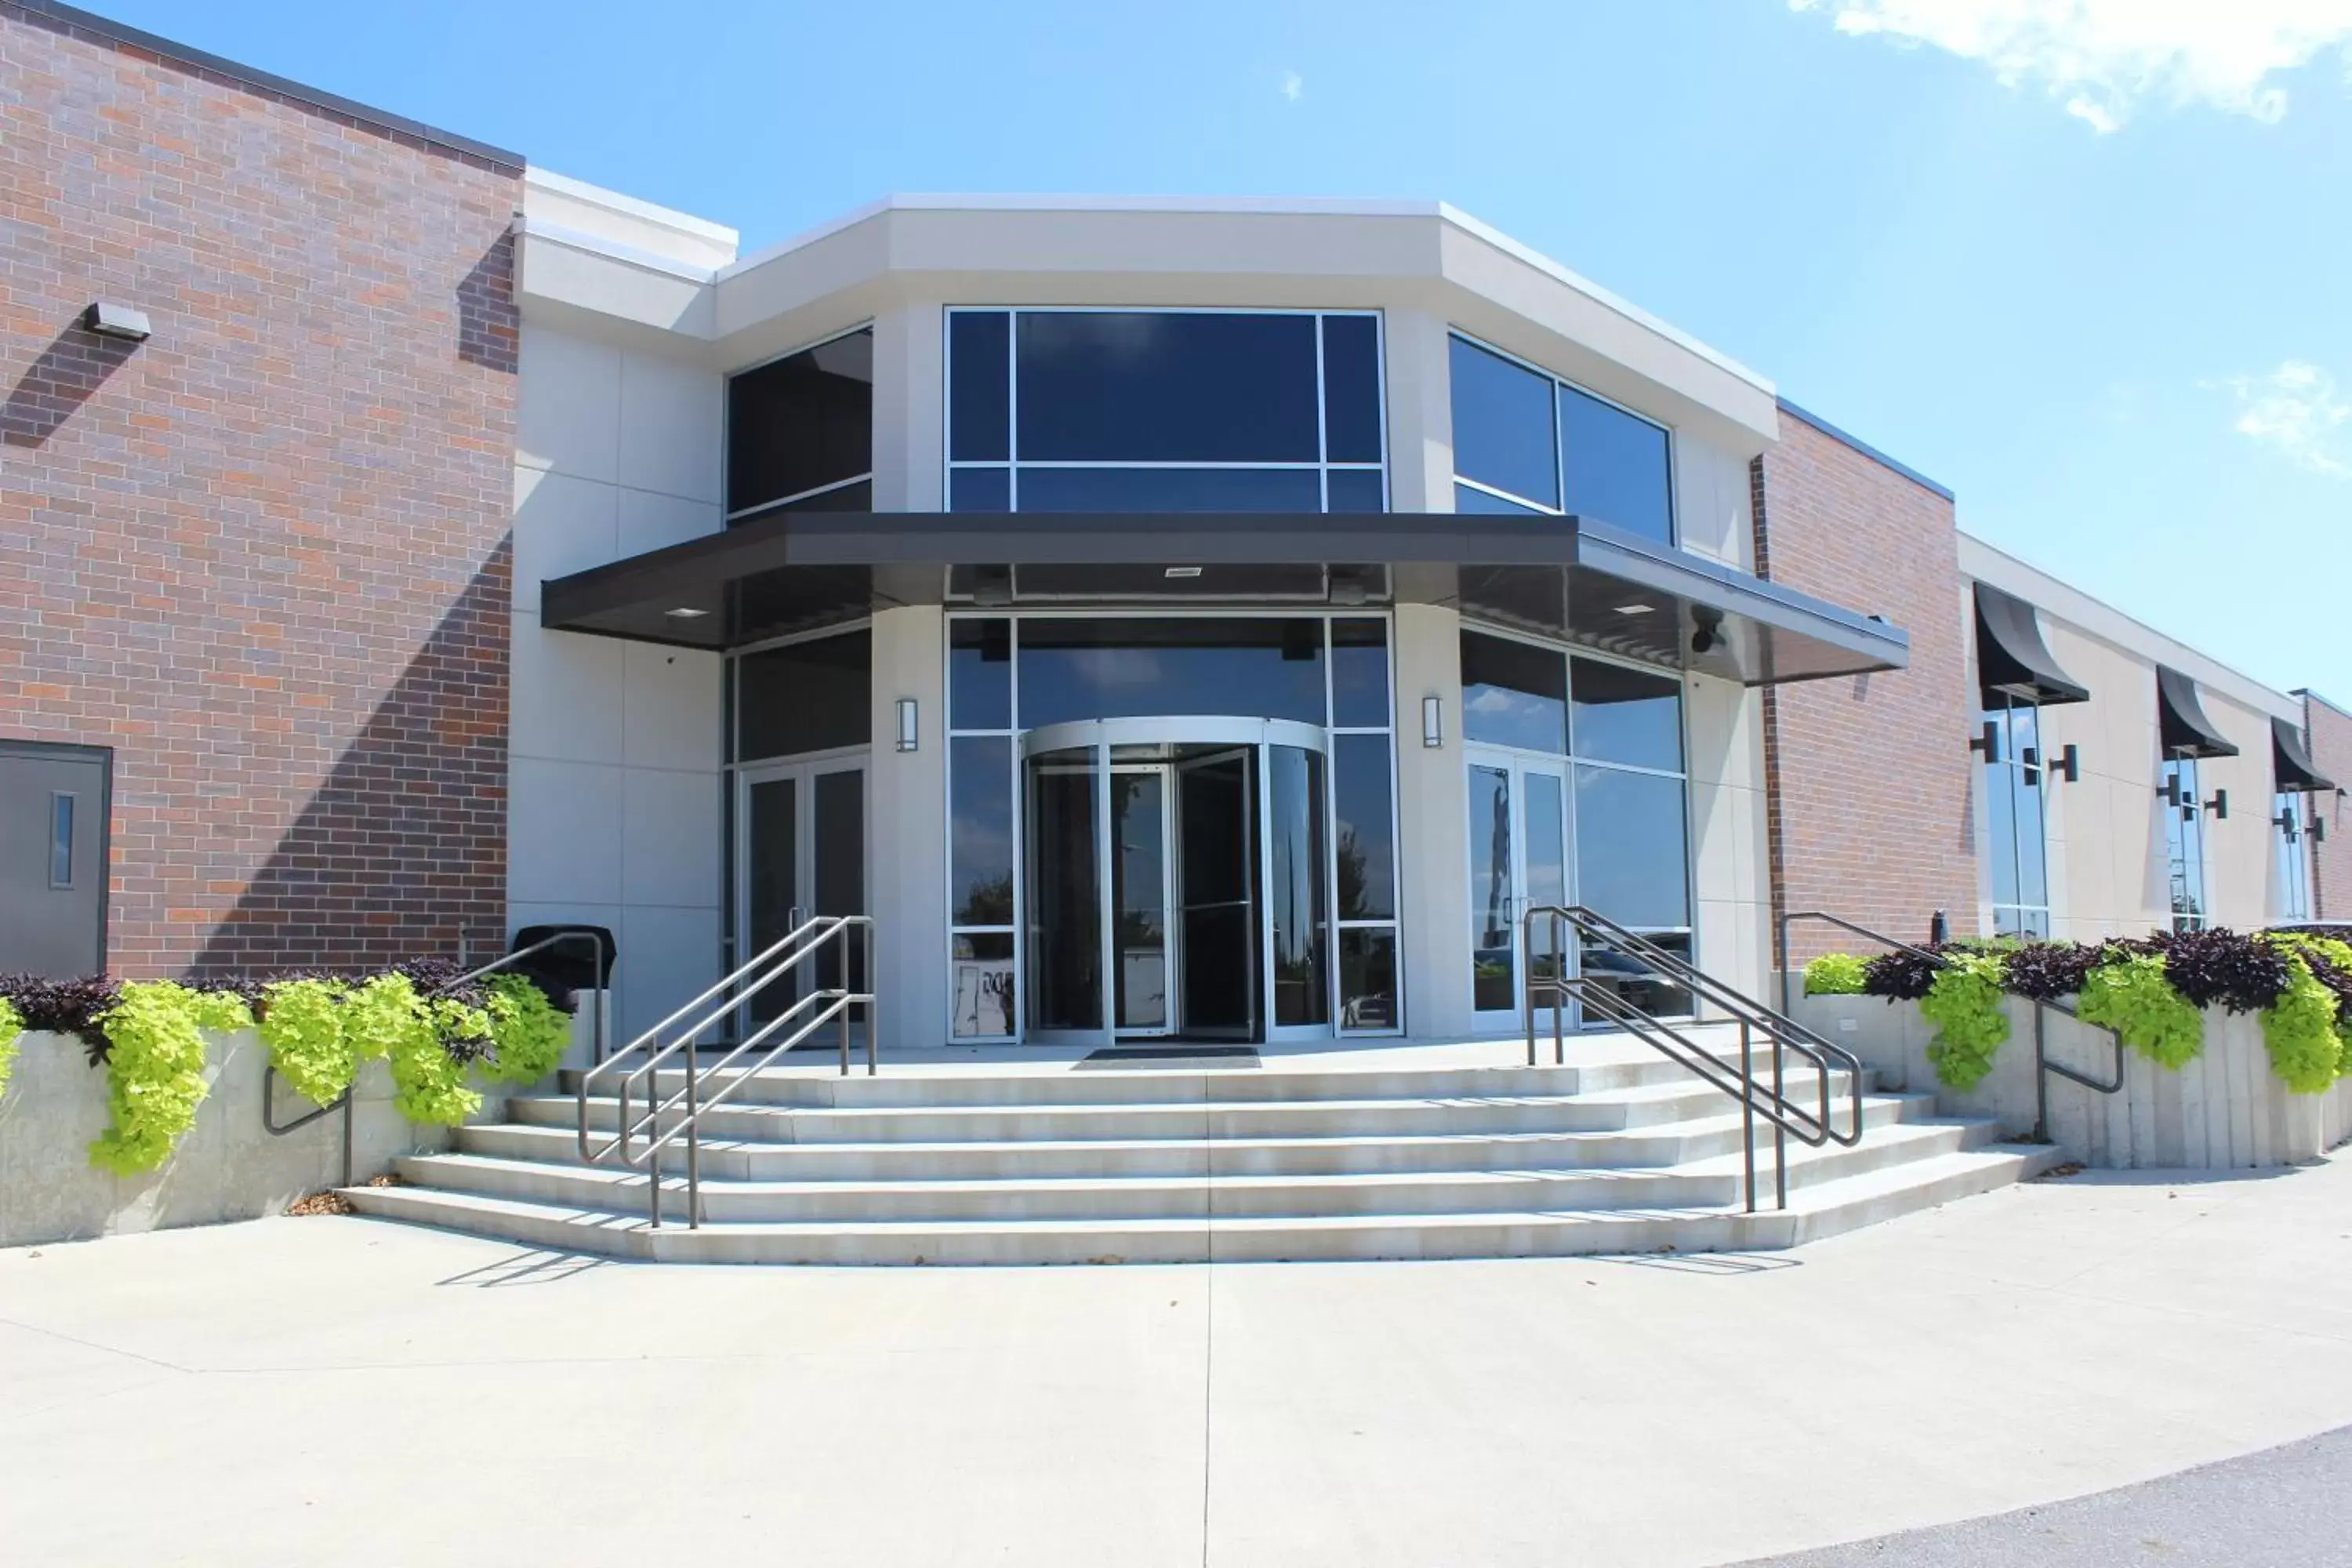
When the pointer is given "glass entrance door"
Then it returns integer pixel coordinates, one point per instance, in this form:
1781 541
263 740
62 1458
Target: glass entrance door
1519 861
1217 814
802 849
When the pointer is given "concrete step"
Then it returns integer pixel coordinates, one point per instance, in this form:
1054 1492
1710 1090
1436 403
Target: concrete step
1821 1210
1708 1183
1666 1143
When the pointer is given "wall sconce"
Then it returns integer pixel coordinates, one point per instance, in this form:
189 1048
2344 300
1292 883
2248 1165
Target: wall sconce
1432 722
1987 742
2219 805
109 320
908 733
2069 765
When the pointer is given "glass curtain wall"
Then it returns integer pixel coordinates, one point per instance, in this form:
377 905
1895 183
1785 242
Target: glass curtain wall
1526 441
1617 734
799 431
2017 835
2289 815
2184 842
1333 892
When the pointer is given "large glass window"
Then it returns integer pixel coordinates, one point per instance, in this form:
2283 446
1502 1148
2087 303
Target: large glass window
2016 825
1526 441
799 431
2290 817
1071 410
2184 841
1080 668
811 696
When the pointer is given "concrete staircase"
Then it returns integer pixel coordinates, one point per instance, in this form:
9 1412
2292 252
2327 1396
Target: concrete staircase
1621 1153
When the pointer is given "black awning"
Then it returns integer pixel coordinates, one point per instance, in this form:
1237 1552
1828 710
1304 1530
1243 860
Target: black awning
2290 763
797 571
2181 719
2012 661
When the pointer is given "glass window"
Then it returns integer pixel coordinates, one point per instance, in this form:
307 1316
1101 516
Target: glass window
1614 466
1368 979
1631 862
980 489
980 831
1626 716
1504 432
980 386
979 675
1164 386
1360 674
61 837
981 971
1351 389
1296 897
1090 669
1170 489
801 423
1466 500
1514 694
805 697
1364 822
1494 979
1356 489
2287 815
2184 842
2015 829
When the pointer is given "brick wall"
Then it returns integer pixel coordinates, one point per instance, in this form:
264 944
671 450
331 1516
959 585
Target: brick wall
2330 731
1869 775
264 554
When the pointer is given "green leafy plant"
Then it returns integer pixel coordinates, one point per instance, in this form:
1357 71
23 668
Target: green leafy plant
2299 1032
2132 994
529 1031
12 1023
155 1069
1834 975
1963 1002
384 1018
301 1025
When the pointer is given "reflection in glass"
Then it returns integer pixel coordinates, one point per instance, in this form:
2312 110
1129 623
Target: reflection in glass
1627 716
979 675
1064 898
1217 856
1494 981
1086 669
1631 855
981 975
805 697
1468 498
1352 393
1360 674
979 387
1504 432
1167 490
980 489
1364 828
1513 694
801 422
771 858
1151 386
1296 893
1367 981
1547 886
1138 829
1616 466
2184 842
1636 980
980 831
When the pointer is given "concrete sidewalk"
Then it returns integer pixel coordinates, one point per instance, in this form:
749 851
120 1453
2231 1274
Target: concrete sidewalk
350 1392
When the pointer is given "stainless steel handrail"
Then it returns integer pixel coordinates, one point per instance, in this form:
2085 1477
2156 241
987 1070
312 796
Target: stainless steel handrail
503 962
1815 1126
2043 1067
832 1003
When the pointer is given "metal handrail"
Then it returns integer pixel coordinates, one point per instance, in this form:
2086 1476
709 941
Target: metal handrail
2043 1067
1815 1126
832 1005
343 1103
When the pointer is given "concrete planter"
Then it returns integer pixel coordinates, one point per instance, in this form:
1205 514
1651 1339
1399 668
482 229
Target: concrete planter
2225 1111
227 1167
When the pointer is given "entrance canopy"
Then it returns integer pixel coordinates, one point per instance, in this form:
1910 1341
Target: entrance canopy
1580 581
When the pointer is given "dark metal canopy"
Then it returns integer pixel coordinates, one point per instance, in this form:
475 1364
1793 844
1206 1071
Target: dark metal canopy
2290 763
2012 661
2181 723
1585 582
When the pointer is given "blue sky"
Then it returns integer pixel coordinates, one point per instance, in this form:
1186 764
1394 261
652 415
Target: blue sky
2084 261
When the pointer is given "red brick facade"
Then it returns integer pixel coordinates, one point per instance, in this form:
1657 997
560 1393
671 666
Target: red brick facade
2330 731
264 554
1869 776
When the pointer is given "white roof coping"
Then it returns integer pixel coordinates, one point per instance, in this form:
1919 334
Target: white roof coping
704 244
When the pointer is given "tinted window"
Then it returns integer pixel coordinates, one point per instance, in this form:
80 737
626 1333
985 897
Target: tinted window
1357 490
1629 847
1503 425
1170 489
1467 499
979 675
803 421
1114 670
1513 695
1616 466
978 389
1134 387
1627 716
980 830
805 697
1359 673
980 489
1351 389
1363 822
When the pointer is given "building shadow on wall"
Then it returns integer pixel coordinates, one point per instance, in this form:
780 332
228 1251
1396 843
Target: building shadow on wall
490 333
68 372
402 848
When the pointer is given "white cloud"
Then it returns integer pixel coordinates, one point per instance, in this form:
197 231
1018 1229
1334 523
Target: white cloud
1293 84
2302 411
2104 57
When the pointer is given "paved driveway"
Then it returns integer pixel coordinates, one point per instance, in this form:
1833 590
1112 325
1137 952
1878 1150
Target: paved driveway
309 1391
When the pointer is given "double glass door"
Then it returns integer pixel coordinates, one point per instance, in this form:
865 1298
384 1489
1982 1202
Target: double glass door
1518 836
803 855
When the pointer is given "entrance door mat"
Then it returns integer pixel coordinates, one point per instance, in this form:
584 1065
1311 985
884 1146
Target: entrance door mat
1154 1056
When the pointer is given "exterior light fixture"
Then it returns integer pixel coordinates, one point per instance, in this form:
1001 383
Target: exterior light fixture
685 613
2069 765
1432 722
1987 742
109 320
1708 635
1183 571
2219 805
1635 609
907 724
